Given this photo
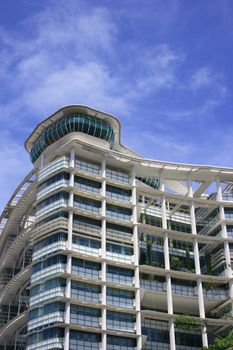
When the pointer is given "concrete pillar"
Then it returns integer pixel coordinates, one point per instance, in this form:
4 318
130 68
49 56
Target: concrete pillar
136 259
167 265
225 235
103 255
201 304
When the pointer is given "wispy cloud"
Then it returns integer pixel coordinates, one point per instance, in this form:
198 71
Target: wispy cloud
77 53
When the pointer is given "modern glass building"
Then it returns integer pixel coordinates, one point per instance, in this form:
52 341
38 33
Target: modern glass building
102 249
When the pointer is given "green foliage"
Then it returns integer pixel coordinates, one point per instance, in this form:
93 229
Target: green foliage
222 343
187 322
176 264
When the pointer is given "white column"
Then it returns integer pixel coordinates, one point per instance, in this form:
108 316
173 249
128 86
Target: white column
136 260
69 247
71 199
103 256
167 265
67 307
225 235
201 304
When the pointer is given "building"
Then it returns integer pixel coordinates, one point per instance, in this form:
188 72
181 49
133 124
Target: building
101 248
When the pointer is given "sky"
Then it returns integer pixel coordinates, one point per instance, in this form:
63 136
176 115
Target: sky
163 67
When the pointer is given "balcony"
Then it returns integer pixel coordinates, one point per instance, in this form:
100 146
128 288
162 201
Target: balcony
87 188
57 164
78 248
50 294
126 259
118 216
87 167
52 343
122 326
51 188
52 318
84 272
51 248
88 208
53 206
86 228
50 271
84 344
85 296
84 320
119 279
120 302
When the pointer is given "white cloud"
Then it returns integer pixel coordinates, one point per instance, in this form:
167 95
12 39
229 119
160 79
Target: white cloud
14 166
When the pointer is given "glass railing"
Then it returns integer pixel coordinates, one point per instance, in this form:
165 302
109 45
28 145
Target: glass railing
57 164
220 294
87 188
120 347
84 320
48 272
117 196
117 176
123 236
114 278
51 188
53 206
87 167
152 285
84 272
85 249
118 216
85 296
52 318
88 208
120 326
84 344
127 259
86 228
51 248
151 345
50 294
52 343
120 302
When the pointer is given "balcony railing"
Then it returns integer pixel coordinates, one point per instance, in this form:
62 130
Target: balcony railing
86 228
123 326
114 278
88 208
84 272
48 272
120 302
51 248
51 188
85 250
38 322
47 295
84 320
127 259
53 206
85 296
52 343
118 216
87 188
59 163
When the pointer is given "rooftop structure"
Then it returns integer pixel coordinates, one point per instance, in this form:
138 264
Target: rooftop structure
102 249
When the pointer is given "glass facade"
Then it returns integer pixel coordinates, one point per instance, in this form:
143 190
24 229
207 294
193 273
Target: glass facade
72 123
106 250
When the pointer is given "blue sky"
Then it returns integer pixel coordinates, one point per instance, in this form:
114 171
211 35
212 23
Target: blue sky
163 67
